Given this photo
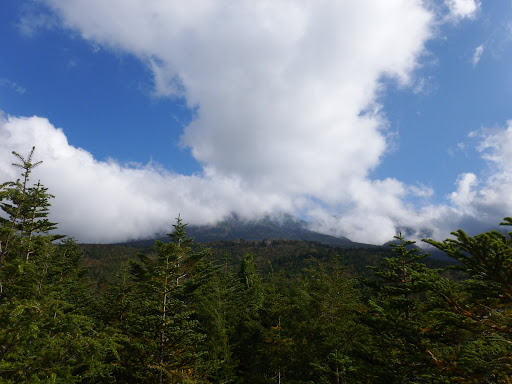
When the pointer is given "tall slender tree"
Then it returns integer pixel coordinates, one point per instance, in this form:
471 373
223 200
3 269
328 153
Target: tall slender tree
165 344
397 315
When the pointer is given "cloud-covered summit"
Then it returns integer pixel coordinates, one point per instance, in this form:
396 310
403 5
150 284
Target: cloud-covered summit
104 201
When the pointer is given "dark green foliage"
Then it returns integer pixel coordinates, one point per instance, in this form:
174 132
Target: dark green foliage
397 314
480 307
46 334
219 310
251 282
256 312
315 332
153 307
106 260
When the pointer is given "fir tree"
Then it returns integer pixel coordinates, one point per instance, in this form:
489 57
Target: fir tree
164 342
45 336
219 306
481 307
397 316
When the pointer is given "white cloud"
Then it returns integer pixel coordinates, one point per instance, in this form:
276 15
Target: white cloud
477 55
421 191
486 200
477 204
460 9
106 201
280 86
489 199
496 146
288 118
465 194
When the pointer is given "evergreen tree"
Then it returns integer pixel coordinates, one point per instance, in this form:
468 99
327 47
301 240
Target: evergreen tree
249 329
311 326
164 342
397 314
333 333
251 281
481 307
44 334
219 310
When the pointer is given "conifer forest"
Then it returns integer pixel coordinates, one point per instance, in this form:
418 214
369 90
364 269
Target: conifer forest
179 313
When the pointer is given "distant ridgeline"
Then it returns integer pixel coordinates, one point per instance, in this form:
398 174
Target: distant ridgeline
284 244
234 228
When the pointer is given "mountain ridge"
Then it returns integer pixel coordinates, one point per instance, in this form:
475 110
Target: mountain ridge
286 227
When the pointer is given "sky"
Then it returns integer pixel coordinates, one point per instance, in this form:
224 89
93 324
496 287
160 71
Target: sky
365 118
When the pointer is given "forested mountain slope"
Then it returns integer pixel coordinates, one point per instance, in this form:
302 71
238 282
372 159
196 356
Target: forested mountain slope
105 260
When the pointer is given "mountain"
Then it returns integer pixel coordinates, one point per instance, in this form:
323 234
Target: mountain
286 227
284 243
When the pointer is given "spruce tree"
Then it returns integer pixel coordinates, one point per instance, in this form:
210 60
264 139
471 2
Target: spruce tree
164 342
249 329
333 333
397 314
45 333
481 307
219 306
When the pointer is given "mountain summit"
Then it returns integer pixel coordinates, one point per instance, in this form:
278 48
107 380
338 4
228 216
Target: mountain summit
285 227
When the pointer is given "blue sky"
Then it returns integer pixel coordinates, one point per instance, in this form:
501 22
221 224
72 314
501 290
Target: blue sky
100 97
362 117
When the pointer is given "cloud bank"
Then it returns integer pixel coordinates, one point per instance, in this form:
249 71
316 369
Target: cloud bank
106 201
288 118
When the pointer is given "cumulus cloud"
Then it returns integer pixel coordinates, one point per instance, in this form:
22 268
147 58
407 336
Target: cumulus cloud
105 201
279 85
460 9
288 117
477 204
488 199
286 92
465 194
496 147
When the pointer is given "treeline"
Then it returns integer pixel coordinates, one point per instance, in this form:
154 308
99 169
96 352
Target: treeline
104 261
178 315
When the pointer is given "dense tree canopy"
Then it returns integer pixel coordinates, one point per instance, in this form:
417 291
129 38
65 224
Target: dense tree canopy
176 314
